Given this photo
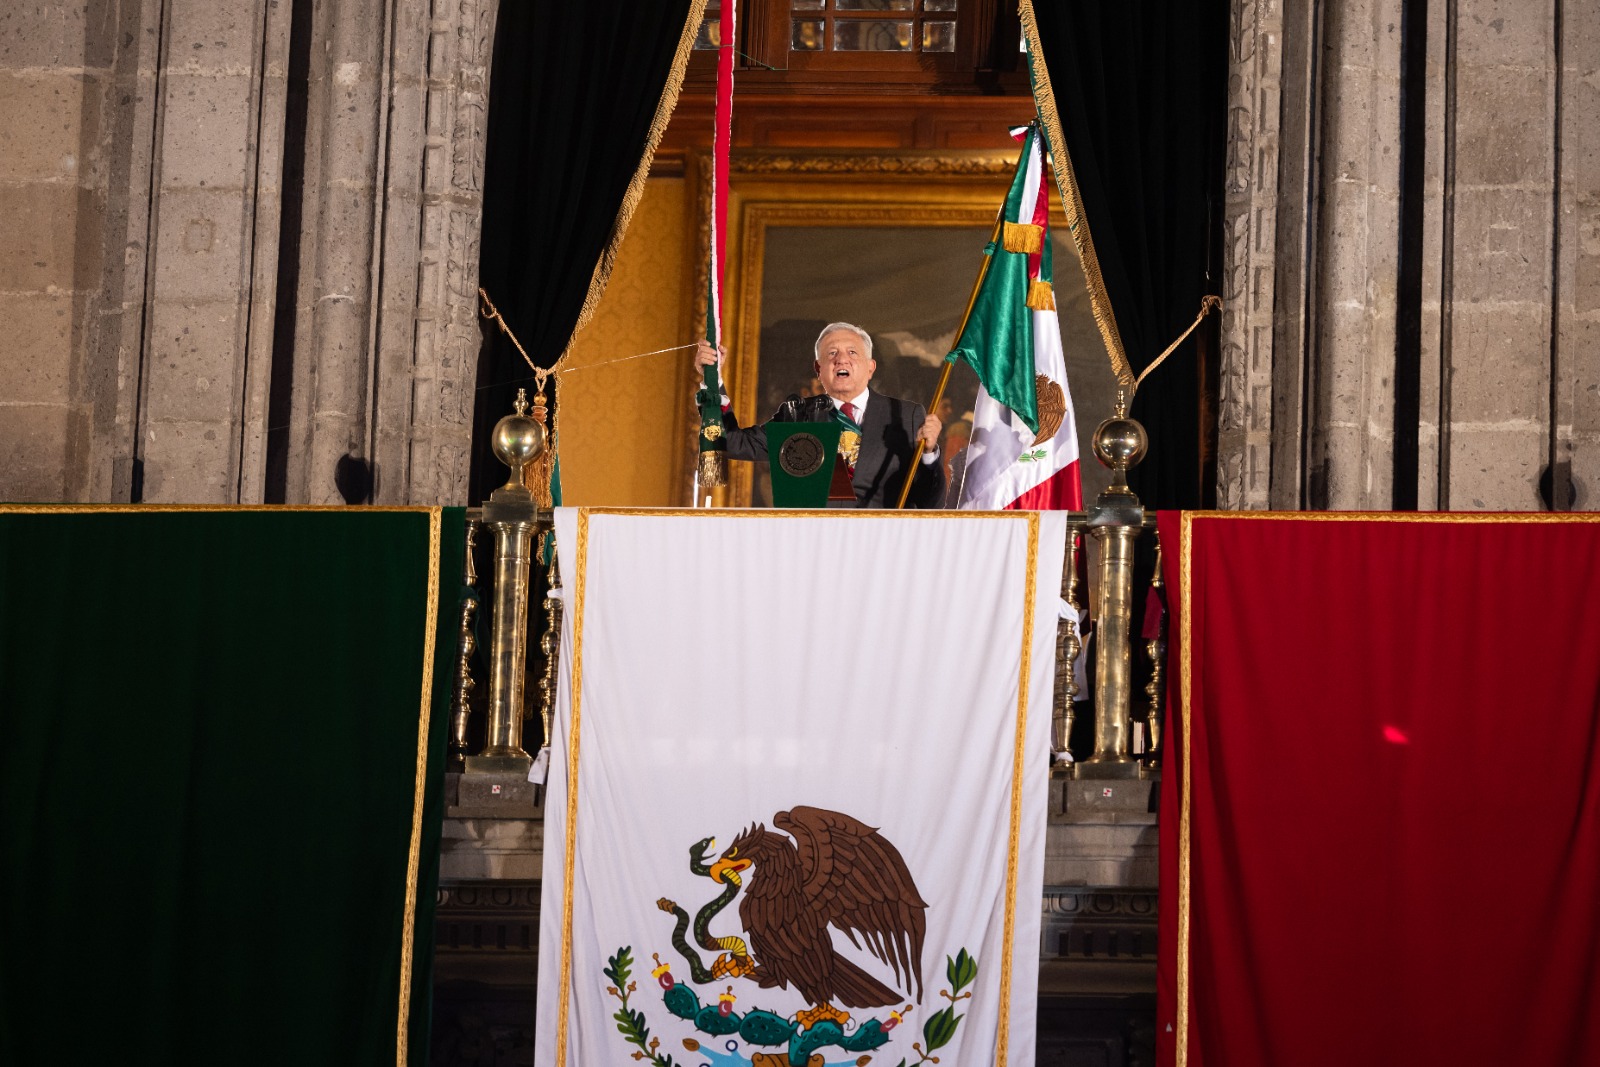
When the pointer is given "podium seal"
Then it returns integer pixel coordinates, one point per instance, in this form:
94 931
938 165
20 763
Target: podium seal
801 455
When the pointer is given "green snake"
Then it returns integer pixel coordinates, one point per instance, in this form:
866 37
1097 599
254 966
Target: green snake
735 947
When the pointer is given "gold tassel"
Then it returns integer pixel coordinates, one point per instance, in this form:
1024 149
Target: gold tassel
536 475
1040 296
1023 237
713 468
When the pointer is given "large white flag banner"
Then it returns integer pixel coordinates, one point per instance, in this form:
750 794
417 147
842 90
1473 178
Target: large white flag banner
796 805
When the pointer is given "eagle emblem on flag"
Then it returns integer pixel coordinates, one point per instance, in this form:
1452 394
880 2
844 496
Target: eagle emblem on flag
814 872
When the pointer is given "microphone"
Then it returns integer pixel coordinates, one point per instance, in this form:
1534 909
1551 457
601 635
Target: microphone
817 408
789 410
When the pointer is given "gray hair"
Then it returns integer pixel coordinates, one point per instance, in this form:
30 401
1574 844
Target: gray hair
866 339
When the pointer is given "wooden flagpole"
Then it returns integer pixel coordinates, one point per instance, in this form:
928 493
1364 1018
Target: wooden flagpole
713 459
944 376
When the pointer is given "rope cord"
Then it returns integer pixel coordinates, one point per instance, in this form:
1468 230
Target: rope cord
542 374
1208 303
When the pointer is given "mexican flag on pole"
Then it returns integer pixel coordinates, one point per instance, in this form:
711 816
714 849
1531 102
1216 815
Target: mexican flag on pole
1024 450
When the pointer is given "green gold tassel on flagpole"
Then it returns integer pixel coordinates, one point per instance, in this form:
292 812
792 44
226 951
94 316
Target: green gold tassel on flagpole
1040 296
1023 237
713 469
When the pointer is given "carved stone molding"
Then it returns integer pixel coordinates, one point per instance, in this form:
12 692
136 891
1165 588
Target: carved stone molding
497 918
943 164
460 41
1244 438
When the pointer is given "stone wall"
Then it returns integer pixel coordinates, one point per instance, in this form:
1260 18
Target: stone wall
143 152
1509 287
77 81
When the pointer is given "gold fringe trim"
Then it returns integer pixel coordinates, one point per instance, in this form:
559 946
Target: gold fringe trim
635 193
1018 771
430 642
1099 302
1185 858
713 468
1023 237
574 725
1040 296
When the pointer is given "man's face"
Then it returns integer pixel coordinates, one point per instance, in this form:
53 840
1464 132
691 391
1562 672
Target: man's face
843 367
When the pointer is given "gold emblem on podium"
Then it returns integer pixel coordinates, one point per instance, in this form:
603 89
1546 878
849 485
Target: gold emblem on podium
801 455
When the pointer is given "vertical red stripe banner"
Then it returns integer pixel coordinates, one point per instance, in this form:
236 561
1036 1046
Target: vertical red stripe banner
1380 833
721 142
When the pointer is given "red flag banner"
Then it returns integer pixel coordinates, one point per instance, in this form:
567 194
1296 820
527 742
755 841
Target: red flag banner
1380 834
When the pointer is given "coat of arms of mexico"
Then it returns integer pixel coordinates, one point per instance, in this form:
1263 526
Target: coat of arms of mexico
824 872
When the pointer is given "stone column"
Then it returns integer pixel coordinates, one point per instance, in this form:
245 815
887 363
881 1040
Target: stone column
425 431
139 159
1496 344
1250 241
213 250
334 335
1510 286
1311 242
1351 403
1576 371
386 341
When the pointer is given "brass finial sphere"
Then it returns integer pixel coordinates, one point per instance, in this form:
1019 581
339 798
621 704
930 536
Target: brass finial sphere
518 440
1120 442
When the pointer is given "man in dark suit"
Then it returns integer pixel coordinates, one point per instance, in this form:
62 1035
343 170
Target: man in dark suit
890 427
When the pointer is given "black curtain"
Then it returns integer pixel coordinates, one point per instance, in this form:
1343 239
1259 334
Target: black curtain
1141 90
573 92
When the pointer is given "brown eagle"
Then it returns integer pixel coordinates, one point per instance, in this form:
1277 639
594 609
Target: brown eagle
837 871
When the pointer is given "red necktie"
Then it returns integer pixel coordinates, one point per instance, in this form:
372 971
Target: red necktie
849 410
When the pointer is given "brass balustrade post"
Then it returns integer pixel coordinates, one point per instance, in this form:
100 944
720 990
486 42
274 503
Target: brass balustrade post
1156 648
1068 645
550 645
466 642
515 518
1115 522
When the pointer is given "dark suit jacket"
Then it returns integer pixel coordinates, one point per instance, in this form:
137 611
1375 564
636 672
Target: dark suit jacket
888 439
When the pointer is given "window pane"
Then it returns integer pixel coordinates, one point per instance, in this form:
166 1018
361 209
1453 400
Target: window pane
710 35
938 37
938 5
806 5
874 5
871 35
807 36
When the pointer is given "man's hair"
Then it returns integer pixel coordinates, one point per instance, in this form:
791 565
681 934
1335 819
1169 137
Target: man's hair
866 339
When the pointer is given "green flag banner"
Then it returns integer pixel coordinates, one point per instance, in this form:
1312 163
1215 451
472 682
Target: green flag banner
221 750
997 341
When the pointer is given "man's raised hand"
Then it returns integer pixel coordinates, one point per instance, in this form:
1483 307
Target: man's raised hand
705 355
